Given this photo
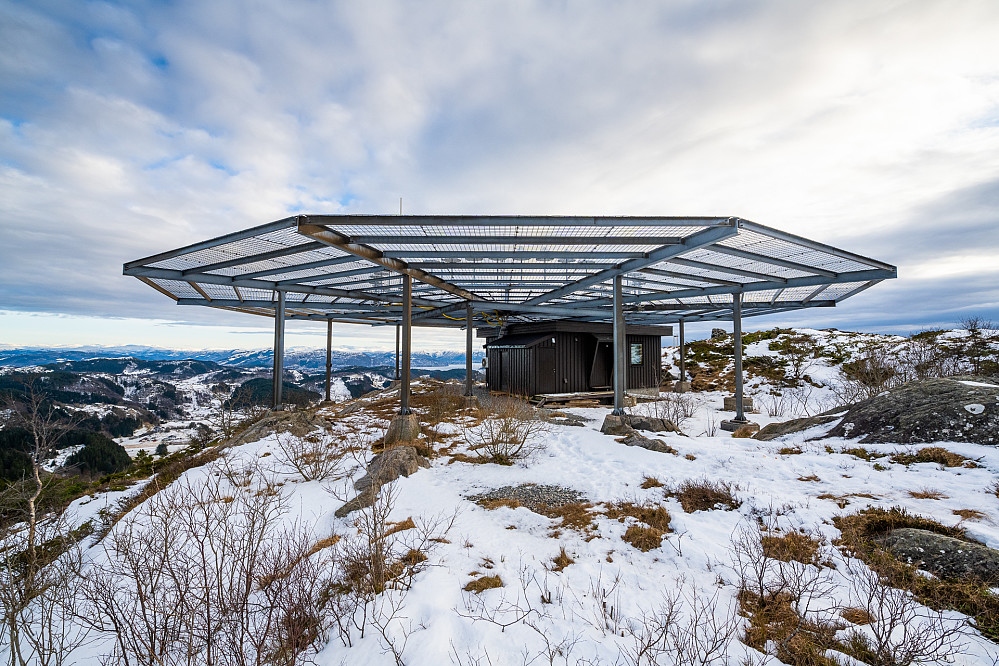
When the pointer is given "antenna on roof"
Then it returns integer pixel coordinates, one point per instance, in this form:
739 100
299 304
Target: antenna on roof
400 205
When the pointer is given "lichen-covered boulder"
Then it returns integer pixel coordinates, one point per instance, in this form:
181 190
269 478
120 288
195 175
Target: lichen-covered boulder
955 409
942 555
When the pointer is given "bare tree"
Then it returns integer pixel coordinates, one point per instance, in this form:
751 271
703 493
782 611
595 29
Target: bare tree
39 555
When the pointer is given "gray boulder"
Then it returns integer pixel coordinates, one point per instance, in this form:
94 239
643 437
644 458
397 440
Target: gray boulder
390 465
629 423
640 441
956 409
943 556
775 430
383 468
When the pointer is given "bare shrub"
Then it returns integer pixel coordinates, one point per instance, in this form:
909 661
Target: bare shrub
209 568
688 628
781 594
677 408
512 430
899 631
316 456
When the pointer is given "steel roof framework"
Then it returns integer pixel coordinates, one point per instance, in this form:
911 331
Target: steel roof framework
350 268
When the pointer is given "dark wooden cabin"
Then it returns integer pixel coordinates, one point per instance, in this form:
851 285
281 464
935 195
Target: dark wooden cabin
568 357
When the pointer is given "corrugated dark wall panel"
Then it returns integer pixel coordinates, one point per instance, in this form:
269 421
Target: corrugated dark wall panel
518 370
645 375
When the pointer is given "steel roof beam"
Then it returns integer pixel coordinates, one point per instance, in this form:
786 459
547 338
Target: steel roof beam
815 245
398 239
254 258
517 220
484 266
346 259
702 265
286 223
687 277
337 240
692 242
783 263
506 254
329 276
170 274
311 305
809 281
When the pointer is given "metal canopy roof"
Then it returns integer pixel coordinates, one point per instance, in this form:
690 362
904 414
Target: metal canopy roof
349 268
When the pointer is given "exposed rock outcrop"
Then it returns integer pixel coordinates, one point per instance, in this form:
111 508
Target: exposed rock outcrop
775 430
627 424
958 409
942 555
298 423
383 468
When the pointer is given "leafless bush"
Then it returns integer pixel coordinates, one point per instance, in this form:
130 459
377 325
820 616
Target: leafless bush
901 631
677 408
316 456
774 404
209 569
780 595
376 567
687 629
512 430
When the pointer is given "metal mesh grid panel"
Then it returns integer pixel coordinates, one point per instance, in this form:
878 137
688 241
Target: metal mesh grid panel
240 249
178 288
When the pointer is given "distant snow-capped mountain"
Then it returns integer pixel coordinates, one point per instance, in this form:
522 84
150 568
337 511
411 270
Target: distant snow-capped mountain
303 359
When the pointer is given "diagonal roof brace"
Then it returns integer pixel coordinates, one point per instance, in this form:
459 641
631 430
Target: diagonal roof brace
692 242
341 242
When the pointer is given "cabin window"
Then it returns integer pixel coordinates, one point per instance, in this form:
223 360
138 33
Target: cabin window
636 353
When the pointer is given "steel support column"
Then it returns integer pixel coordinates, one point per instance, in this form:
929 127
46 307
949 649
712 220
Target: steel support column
683 355
620 350
329 356
407 341
468 347
737 340
278 349
397 351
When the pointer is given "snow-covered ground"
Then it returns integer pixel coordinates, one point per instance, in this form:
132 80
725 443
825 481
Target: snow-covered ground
611 586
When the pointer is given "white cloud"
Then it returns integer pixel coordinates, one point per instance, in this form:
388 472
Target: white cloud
128 130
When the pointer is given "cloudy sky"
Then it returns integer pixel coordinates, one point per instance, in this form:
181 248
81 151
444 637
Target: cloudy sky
130 128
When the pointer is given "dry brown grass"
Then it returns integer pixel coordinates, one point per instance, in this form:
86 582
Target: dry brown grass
574 516
934 454
561 561
969 514
811 477
690 456
651 482
401 526
645 537
791 546
323 544
842 501
855 615
484 583
968 596
413 557
495 503
790 451
926 493
775 627
705 495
